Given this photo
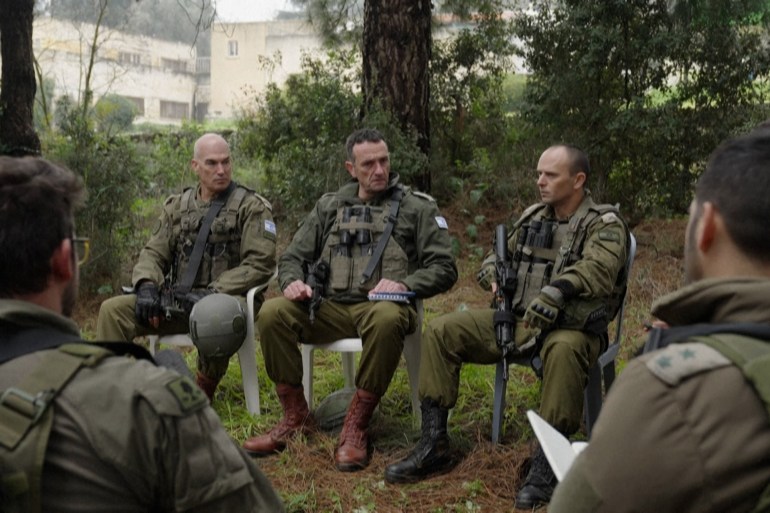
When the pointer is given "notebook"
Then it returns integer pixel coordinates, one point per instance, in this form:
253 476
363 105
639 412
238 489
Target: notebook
559 451
398 297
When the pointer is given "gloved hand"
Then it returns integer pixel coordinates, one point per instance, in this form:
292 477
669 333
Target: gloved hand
192 297
148 304
544 309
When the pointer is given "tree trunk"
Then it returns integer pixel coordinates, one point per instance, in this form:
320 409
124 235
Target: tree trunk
396 57
17 93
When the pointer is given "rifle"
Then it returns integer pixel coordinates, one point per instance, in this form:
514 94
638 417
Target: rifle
169 303
505 277
317 274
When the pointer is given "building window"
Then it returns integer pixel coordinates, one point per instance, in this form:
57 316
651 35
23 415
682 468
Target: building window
232 48
174 110
138 103
129 58
173 65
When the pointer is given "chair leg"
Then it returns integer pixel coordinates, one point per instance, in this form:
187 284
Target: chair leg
498 403
247 359
593 398
307 373
349 369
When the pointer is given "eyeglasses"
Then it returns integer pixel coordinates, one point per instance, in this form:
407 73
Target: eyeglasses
82 248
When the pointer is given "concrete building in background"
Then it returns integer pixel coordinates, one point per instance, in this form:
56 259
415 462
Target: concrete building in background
246 57
164 79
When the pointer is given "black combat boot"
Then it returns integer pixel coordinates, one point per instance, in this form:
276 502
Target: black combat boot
431 455
539 484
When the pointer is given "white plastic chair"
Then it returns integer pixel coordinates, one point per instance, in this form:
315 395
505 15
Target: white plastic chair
604 368
349 346
247 354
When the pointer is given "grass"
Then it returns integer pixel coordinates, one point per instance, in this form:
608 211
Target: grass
488 475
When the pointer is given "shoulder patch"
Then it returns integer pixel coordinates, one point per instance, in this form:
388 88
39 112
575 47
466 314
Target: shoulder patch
610 217
188 395
269 229
441 222
423 195
678 362
609 235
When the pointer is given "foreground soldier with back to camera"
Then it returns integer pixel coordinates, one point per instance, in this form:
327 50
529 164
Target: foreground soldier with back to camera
569 263
686 428
372 235
218 237
82 428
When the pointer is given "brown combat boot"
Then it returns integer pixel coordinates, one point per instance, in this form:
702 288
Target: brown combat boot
296 419
207 384
353 451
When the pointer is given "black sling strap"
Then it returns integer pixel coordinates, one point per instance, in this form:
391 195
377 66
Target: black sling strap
185 285
26 341
662 337
395 202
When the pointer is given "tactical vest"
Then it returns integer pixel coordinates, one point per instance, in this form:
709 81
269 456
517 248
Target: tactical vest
223 246
356 230
26 421
544 248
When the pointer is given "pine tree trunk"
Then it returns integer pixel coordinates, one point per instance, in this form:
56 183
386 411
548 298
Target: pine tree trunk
17 96
396 57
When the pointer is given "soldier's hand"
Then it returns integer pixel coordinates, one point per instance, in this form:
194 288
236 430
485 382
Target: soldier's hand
192 297
147 310
544 309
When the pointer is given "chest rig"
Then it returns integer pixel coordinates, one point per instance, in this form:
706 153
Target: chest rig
544 248
352 249
26 419
223 245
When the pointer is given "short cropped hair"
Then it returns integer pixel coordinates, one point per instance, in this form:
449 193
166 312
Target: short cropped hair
578 159
736 181
360 136
37 204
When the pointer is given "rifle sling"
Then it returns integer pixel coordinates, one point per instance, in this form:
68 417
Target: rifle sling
395 202
662 337
185 285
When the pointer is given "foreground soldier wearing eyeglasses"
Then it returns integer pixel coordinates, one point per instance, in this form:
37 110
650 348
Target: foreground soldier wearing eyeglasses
81 428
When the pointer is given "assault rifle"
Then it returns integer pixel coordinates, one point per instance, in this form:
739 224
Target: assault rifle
317 274
169 303
505 277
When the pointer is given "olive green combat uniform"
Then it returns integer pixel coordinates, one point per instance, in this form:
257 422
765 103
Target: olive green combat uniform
239 255
589 250
128 436
683 430
418 254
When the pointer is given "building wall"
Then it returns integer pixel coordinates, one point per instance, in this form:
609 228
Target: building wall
158 76
238 76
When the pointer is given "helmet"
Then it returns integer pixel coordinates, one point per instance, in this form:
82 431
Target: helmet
217 325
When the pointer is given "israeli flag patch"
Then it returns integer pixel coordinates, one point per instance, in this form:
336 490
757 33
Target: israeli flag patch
270 226
441 222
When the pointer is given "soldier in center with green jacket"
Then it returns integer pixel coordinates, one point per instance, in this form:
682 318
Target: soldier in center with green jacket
570 266
374 235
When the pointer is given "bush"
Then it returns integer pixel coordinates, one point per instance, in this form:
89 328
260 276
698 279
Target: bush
114 113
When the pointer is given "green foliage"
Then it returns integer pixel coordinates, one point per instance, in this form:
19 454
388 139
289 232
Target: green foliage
646 92
297 133
112 173
114 113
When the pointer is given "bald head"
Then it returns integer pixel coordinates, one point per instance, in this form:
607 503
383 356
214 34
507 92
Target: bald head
211 162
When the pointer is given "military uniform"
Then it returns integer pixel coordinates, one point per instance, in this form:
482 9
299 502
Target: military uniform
239 254
682 430
130 436
418 255
588 250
